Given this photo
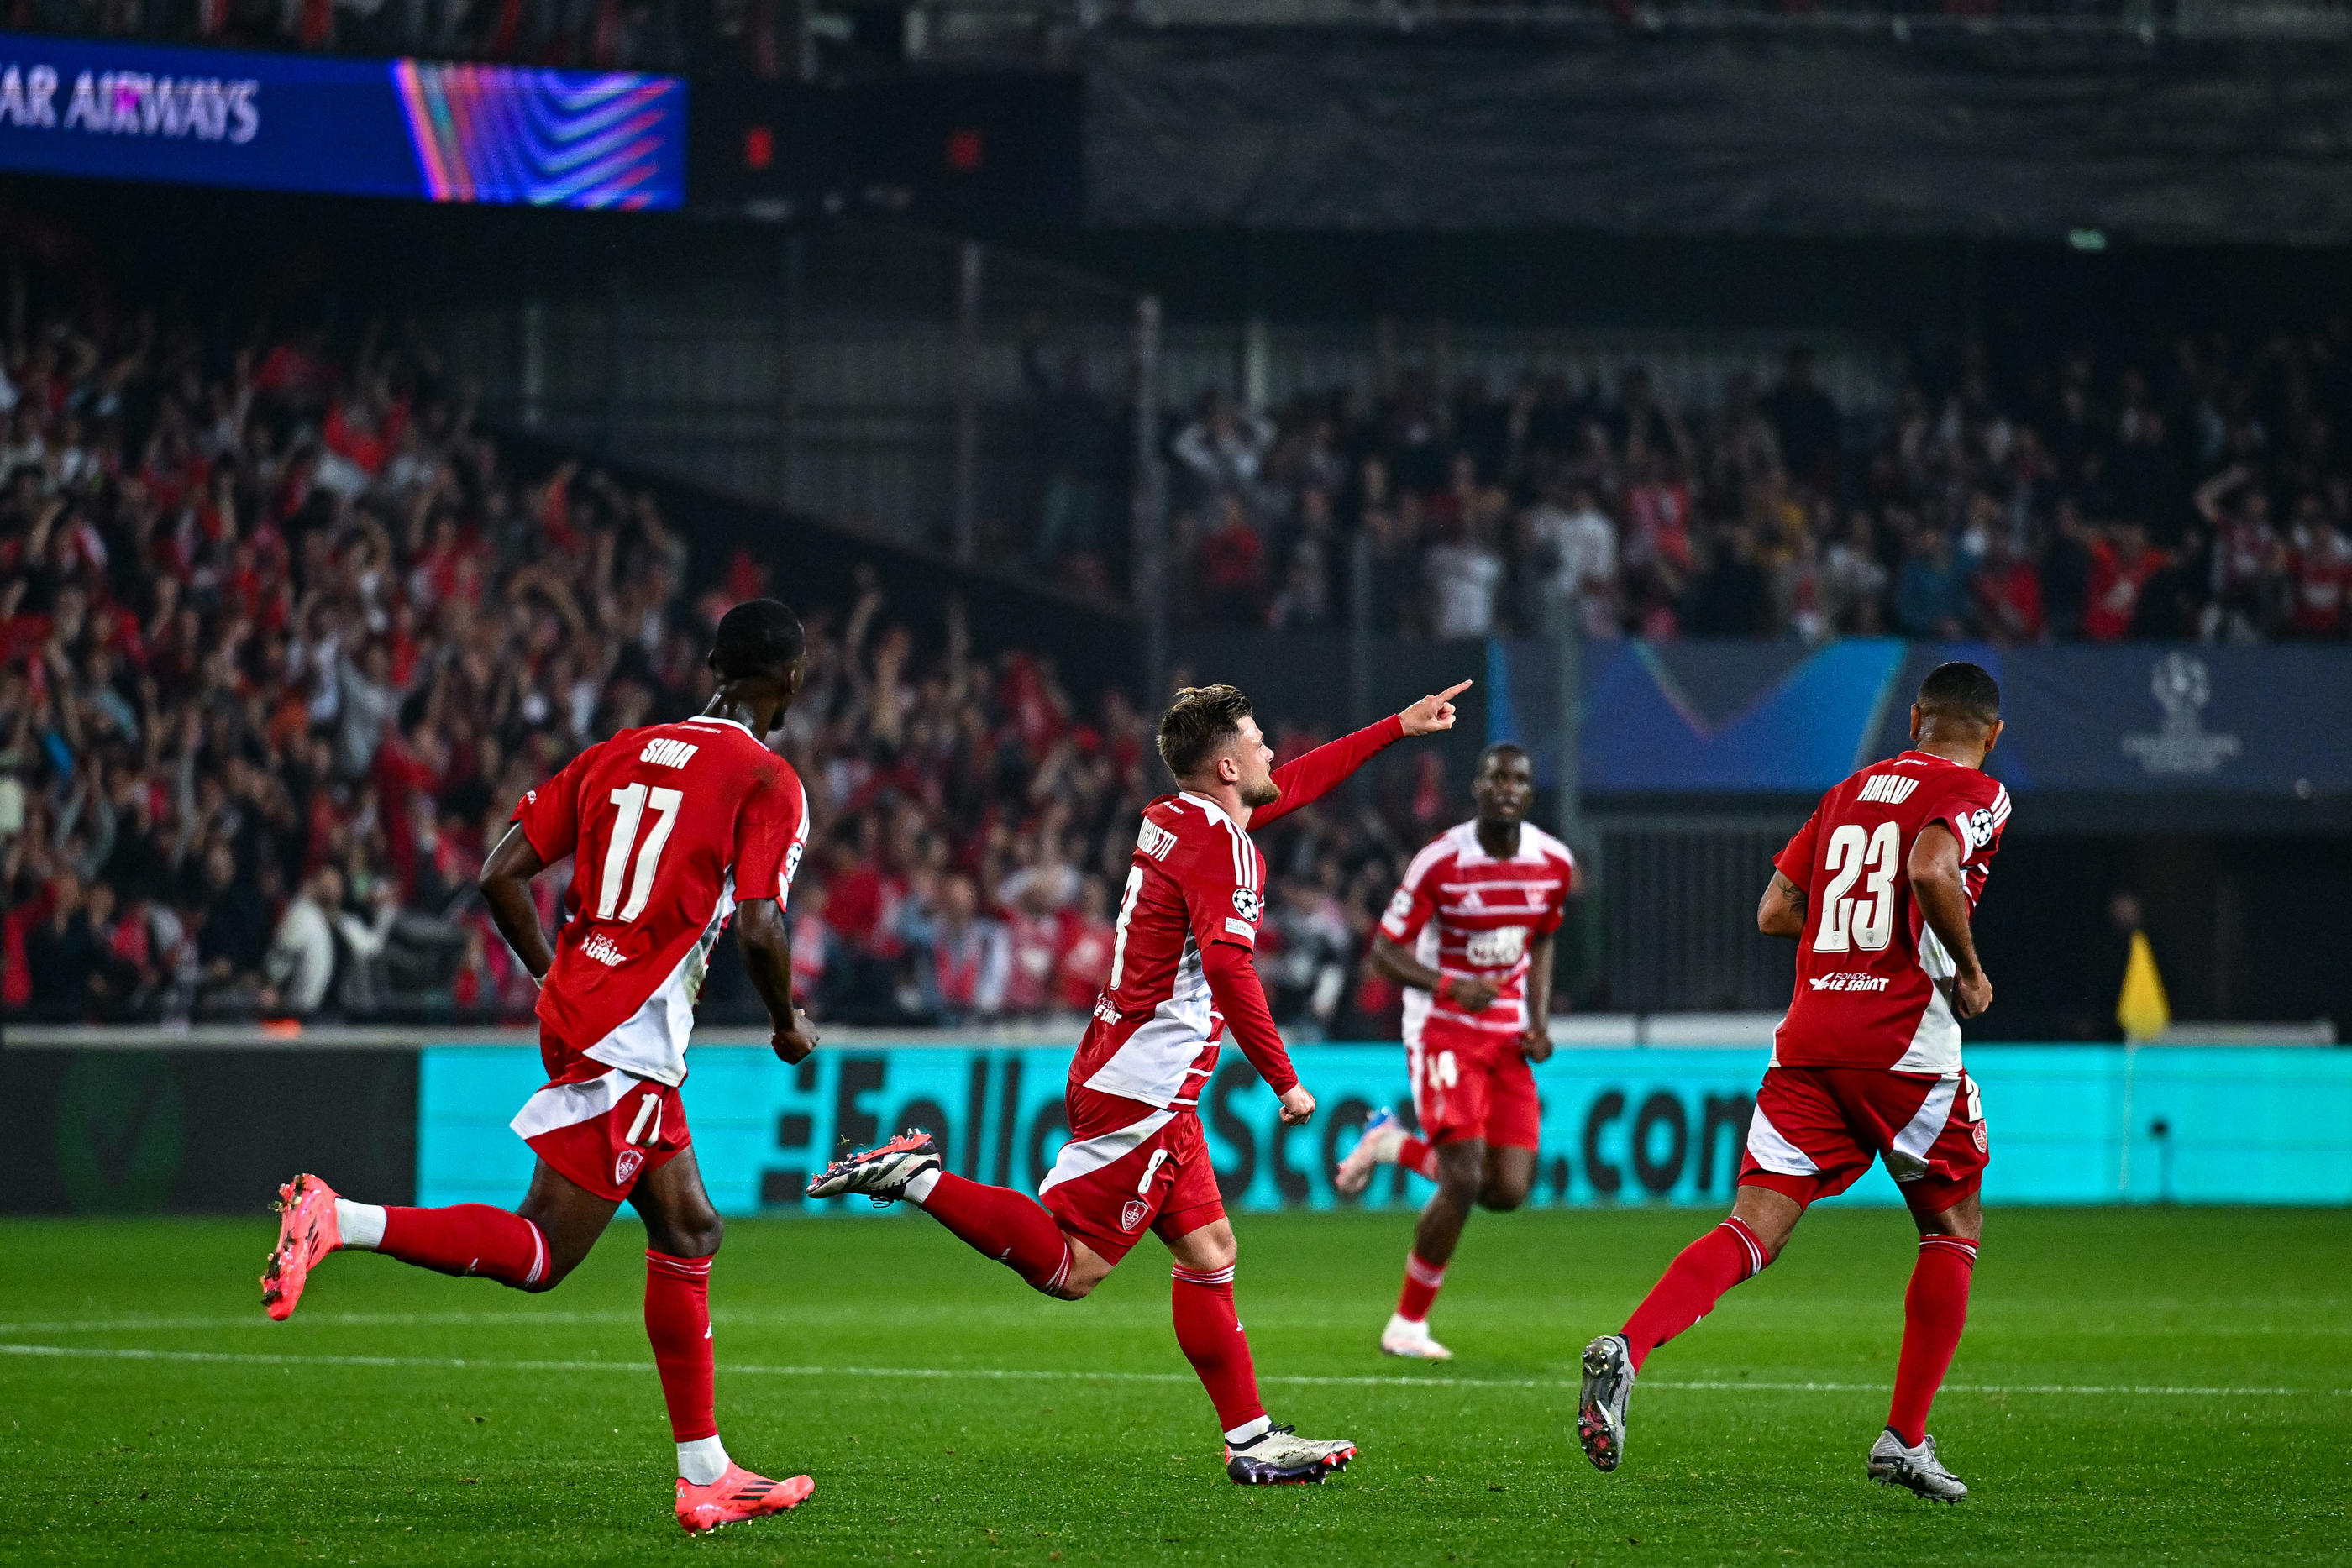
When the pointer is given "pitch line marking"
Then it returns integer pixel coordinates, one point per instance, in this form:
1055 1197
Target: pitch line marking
255 1358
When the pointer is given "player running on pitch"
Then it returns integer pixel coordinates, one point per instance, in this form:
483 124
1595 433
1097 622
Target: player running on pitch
1480 904
1877 887
673 829
1182 976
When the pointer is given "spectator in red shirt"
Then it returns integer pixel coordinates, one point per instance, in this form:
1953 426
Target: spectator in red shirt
2320 560
2122 561
1232 567
2009 594
1085 962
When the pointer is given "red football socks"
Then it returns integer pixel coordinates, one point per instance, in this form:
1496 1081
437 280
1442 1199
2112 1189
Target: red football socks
469 1239
1691 1286
1419 1157
1422 1280
1934 1310
1209 1334
677 1322
1000 1223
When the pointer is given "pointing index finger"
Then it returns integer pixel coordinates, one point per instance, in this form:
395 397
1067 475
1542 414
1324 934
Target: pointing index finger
1450 693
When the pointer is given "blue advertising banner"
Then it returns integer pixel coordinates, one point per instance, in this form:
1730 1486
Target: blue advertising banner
2069 1123
1718 717
441 132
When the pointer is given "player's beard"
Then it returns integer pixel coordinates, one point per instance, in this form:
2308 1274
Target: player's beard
1265 792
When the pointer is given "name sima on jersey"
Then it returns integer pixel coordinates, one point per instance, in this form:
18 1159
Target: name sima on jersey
668 753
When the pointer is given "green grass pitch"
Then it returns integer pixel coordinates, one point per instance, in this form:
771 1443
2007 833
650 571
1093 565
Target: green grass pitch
2136 1386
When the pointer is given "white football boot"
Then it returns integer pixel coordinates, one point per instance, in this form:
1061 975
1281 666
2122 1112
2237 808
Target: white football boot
1894 1464
1280 1457
1601 1411
1382 1136
882 1172
1406 1338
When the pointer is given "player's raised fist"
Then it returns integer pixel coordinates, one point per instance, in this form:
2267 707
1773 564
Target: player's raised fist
1298 1106
1432 714
793 1045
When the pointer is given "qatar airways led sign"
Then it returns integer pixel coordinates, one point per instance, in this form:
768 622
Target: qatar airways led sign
427 130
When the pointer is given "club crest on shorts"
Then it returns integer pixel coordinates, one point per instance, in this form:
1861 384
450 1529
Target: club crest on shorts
1245 905
1981 1146
1133 1215
624 1165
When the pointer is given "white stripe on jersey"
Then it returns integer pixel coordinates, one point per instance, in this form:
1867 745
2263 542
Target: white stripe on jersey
1084 1157
569 1104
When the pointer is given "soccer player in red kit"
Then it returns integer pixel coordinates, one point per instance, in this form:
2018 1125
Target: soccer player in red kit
1182 978
1877 887
1480 904
673 828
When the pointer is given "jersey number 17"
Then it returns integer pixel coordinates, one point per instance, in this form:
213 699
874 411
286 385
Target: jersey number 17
632 800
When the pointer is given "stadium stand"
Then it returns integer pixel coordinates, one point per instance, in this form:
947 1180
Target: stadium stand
287 635
2194 490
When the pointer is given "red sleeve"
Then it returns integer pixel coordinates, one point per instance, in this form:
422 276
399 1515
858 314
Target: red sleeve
1796 862
1410 907
770 833
1559 910
1975 810
1310 778
549 814
1234 985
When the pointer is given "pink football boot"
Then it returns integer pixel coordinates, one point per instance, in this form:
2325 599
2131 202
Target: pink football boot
306 1233
735 1496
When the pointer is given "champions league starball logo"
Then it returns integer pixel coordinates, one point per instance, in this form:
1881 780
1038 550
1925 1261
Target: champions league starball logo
1245 905
2183 745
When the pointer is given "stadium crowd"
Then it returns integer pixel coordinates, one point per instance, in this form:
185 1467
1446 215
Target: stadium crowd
286 637
2195 493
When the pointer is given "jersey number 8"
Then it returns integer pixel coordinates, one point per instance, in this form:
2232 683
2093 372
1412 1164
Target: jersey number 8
1868 922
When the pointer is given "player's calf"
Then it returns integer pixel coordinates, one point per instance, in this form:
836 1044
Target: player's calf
466 1239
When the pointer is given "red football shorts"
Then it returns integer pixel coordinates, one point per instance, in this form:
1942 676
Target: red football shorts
1473 1084
1816 1129
603 1134
1129 1169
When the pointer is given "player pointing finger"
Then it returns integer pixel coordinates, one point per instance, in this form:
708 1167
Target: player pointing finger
1432 714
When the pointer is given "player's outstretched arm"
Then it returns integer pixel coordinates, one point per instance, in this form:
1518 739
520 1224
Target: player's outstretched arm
1781 911
1938 884
506 888
1308 779
766 939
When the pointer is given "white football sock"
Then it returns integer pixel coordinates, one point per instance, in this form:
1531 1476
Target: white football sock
1250 1431
918 1185
360 1224
702 1461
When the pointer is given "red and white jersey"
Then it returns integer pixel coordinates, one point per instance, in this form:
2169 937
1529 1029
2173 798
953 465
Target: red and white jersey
1868 970
670 827
1472 916
1196 877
